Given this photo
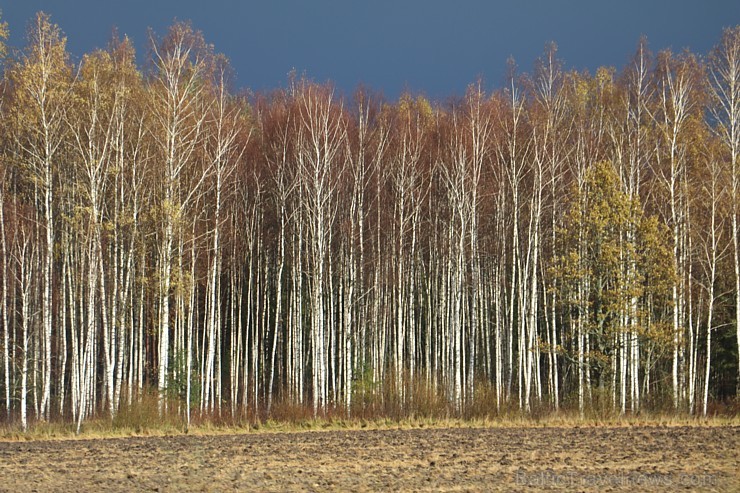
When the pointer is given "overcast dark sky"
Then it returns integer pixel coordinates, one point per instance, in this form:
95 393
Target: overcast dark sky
431 46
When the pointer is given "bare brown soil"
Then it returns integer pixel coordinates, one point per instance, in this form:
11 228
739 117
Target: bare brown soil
457 459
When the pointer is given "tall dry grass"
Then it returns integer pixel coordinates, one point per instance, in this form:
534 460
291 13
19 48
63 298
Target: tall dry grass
373 407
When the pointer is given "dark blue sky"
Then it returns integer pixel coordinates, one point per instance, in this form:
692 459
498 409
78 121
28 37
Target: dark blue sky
432 46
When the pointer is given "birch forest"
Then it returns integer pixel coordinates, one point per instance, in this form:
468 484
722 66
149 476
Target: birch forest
564 241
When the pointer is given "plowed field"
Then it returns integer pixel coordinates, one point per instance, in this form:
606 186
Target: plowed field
457 459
